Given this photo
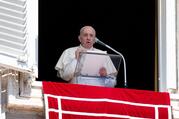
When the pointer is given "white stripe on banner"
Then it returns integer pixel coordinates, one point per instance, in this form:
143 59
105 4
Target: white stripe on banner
103 100
46 107
59 108
156 112
170 112
95 114
102 115
107 100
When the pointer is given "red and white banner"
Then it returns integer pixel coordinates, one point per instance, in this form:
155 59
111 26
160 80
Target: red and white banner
74 101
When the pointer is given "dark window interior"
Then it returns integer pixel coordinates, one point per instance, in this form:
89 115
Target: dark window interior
128 26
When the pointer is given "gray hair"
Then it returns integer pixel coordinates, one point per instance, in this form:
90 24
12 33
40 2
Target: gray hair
84 27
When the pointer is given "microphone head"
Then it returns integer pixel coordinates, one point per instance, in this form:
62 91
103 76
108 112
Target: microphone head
96 39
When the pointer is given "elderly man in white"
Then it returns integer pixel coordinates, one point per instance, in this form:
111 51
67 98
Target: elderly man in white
67 62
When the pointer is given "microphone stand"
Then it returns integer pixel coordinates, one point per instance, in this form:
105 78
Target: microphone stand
124 62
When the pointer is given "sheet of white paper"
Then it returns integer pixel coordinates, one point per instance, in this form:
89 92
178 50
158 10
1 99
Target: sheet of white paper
90 64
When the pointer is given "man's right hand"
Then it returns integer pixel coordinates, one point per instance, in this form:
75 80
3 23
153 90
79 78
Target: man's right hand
77 52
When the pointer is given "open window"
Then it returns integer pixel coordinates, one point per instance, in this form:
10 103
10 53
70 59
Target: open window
19 35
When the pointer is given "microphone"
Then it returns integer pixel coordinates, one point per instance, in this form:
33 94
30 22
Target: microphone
100 42
103 44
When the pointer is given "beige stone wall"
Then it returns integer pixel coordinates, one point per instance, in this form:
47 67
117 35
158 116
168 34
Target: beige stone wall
19 98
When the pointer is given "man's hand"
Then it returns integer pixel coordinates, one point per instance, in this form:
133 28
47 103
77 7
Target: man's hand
77 52
102 71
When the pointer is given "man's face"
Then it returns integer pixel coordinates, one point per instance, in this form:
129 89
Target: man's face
87 37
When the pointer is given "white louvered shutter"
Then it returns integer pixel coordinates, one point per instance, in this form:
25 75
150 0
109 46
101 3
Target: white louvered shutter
19 34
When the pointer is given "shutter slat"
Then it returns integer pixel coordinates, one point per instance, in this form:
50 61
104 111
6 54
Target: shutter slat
12 38
20 28
15 45
12 19
12 6
12 51
12 13
18 2
12 32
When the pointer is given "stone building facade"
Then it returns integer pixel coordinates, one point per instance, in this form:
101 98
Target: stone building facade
21 95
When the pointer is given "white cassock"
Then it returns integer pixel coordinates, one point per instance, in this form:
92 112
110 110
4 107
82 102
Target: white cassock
86 70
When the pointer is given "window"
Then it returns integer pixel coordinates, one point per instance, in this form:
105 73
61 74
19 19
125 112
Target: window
19 35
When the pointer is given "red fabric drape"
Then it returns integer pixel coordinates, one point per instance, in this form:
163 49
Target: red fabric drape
74 101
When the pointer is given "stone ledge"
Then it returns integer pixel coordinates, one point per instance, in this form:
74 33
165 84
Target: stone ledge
26 105
32 104
174 99
174 96
176 114
37 84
